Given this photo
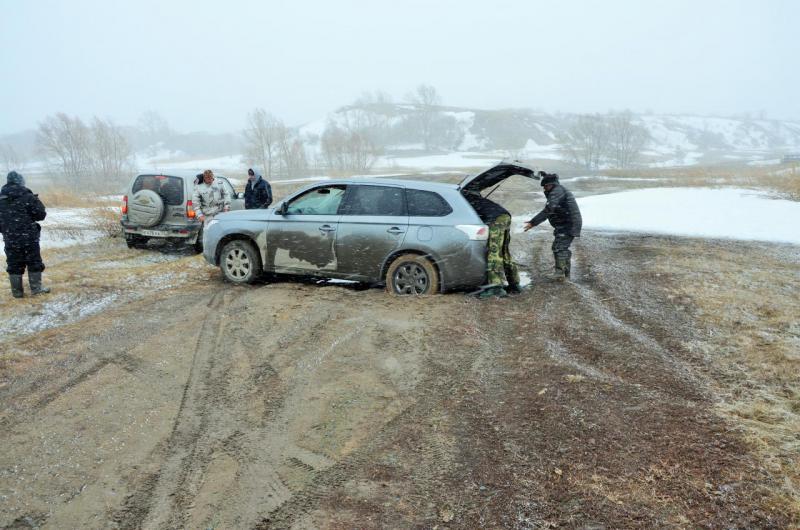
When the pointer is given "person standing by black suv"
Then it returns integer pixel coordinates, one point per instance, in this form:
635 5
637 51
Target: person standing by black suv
564 216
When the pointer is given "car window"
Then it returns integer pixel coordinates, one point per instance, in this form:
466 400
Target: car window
426 204
227 187
319 201
169 188
375 200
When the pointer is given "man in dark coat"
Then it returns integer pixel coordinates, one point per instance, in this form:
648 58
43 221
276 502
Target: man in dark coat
564 216
19 211
498 260
258 192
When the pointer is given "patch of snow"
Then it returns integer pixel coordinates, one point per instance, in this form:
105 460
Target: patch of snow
533 149
62 309
770 162
607 178
699 212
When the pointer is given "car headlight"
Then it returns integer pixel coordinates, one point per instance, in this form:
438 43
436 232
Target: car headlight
212 223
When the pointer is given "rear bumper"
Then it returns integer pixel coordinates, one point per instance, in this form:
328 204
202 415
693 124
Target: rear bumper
463 267
171 231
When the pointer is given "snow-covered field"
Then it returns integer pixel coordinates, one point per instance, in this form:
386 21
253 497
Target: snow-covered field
700 212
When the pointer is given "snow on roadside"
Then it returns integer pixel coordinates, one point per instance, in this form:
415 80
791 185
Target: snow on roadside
729 213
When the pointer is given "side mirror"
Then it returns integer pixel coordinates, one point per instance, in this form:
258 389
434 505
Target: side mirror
283 209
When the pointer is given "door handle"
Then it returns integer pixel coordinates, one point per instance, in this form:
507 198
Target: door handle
326 228
395 230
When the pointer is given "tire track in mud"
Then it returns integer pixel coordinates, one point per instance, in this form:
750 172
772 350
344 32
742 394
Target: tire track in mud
602 337
214 420
155 500
442 379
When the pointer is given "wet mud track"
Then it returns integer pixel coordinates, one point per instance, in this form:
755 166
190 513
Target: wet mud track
289 405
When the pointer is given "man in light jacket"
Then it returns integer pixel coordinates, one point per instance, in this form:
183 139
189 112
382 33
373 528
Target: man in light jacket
210 198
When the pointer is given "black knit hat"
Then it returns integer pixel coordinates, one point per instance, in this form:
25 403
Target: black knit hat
15 178
548 178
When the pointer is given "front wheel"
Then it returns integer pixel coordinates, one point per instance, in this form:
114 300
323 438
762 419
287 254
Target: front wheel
412 274
240 262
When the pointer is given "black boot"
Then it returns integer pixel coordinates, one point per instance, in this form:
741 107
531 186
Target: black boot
562 270
17 290
35 281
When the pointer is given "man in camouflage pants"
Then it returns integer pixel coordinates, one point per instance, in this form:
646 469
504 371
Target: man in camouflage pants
498 260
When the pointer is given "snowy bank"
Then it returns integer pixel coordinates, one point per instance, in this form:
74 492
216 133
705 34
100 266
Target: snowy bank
700 212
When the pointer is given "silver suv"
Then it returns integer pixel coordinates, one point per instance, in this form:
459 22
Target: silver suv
159 205
416 237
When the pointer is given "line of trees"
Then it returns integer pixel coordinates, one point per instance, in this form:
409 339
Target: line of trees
614 139
273 147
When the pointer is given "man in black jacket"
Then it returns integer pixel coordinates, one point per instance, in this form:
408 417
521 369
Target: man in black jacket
564 216
19 211
258 192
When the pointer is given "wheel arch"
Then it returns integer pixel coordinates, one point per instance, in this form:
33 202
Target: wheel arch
234 237
427 255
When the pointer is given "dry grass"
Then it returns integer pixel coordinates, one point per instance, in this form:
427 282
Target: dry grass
784 179
748 304
106 221
61 197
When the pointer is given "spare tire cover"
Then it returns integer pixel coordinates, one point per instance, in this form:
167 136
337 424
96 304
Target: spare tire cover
146 208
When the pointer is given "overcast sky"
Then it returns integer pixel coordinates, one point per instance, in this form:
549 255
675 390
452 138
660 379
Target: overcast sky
203 65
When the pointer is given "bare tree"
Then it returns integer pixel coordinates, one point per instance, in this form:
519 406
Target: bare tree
262 137
84 155
11 159
586 140
66 143
427 101
111 152
347 151
292 159
626 139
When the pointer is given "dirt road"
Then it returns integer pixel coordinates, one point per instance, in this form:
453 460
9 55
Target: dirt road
295 405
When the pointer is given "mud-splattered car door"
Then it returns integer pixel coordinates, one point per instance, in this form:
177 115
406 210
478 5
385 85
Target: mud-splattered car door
373 225
301 239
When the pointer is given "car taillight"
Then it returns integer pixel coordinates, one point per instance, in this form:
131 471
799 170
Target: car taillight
124 204
475 232
189 210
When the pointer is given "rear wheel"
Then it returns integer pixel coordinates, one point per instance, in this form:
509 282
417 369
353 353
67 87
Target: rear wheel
240 262
412 274
135 241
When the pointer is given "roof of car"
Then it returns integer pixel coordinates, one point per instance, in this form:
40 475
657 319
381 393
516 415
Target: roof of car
377 181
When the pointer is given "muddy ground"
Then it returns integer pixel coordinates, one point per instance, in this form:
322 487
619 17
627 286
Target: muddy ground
184 402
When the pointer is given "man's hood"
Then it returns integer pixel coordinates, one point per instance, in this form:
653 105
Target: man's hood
258 175
14 190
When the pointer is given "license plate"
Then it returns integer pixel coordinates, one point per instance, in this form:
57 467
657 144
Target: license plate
155 233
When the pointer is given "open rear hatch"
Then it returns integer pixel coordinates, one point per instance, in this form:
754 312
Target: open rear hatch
495 175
